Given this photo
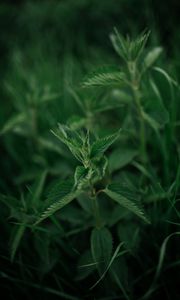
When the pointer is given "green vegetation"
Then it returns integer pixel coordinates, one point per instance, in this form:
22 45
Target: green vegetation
90 173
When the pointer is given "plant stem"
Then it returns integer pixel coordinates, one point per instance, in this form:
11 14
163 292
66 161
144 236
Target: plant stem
135 86
142 125
97 216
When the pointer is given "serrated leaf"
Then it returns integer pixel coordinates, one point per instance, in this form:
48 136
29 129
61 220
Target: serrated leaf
101 145
82 176
71 139
129 49
79 174
104 78
137 45
60 196
152 56
57 206
101 247
125 197
59 189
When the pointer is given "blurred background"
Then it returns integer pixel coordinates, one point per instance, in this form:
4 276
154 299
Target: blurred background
42 32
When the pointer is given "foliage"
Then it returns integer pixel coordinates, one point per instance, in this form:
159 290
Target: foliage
90 176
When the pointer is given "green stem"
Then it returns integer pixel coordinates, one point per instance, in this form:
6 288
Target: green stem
97 216
135 83
141 124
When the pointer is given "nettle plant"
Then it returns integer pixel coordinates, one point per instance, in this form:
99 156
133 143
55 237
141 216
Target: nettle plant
90 150
93 180
105 192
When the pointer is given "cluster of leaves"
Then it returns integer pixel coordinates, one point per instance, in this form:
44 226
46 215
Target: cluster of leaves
114 159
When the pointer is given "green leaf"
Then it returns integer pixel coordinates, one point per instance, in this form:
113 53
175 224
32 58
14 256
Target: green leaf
60 195
120 158
37 189
137 45
49 96
155 113
119 97
71 139
119 273
86 265
114 256
57 206
129 49
101 145
159 265
86 203
76 122
128 232
126 198
13 122
17 237
118 213
80 173
105 77
101 247
101 166
169 79
120 44
152 56
82 176
152 122
59 189
52 145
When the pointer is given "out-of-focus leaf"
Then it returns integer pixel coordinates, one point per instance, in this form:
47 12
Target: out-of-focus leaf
152 56
101 247
86 265
13 122
121 157
128 233
17 236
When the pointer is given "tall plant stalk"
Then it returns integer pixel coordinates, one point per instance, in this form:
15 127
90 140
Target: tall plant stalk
135 88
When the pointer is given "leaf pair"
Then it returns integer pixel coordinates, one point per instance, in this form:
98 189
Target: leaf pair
94 164
79 144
